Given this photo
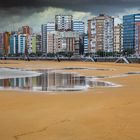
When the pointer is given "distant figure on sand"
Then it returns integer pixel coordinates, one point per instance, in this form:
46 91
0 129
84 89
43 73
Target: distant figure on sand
27 58
58 59
5 57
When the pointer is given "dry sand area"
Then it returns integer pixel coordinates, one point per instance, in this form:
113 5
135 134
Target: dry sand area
94 114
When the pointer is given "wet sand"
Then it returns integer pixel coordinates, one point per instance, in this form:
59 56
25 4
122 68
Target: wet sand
94 114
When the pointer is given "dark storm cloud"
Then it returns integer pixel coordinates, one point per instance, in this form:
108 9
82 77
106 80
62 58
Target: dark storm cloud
78 5
18 11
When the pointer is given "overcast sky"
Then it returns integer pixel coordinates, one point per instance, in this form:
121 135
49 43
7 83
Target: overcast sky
15 13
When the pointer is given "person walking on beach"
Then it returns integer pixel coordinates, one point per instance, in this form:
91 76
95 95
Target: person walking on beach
58 59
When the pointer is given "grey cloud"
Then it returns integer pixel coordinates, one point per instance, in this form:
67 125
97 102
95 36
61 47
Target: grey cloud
15 11
28 7
78 5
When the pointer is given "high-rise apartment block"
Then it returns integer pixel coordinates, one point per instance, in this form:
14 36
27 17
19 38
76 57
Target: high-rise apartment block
129 31
118 38
92 35
45 29
100 34
63 22
6 43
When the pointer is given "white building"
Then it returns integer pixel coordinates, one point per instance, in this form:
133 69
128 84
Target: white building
100 34
79 26
63 22
46 28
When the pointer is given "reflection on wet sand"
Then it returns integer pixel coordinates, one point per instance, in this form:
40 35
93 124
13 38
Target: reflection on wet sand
53 81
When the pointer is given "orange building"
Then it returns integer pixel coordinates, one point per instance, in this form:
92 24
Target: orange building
6 42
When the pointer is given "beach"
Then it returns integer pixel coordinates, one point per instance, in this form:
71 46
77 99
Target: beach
92 114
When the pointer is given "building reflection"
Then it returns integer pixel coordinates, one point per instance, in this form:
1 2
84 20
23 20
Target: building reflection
48 81
98 84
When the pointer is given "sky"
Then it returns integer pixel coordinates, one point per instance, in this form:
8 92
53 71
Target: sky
16 13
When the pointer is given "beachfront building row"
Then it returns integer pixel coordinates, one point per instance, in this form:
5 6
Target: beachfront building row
65 24
22 44
104 36
101 36
14 43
